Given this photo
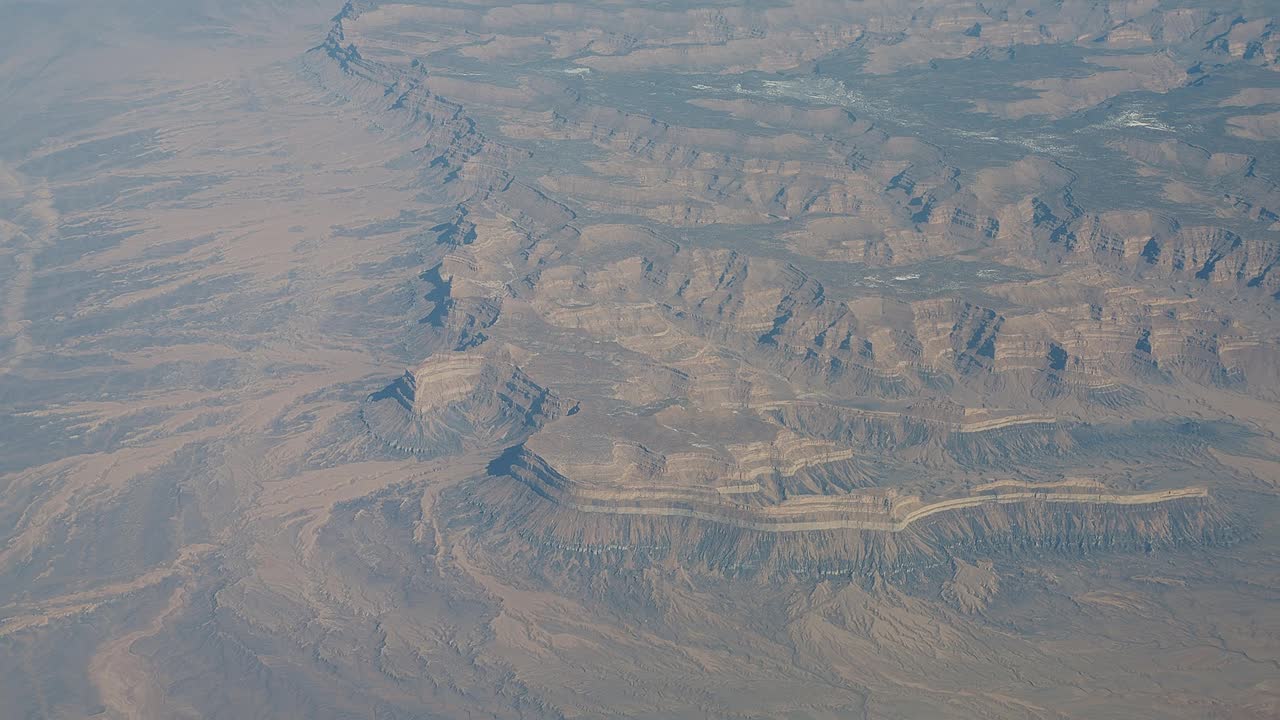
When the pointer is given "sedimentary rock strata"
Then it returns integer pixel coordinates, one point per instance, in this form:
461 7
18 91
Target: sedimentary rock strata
725 384
704 359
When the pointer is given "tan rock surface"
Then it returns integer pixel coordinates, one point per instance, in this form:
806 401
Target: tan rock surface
802 359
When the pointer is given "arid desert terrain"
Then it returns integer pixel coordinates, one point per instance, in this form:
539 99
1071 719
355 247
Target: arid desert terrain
802 359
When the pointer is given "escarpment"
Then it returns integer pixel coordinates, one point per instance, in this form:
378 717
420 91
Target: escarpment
528 507
803 339
458 401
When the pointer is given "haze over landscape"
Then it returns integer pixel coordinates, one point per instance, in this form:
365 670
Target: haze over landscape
802 359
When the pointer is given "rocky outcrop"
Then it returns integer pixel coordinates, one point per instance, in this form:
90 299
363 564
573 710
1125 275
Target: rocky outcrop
734 391
532 503
456 402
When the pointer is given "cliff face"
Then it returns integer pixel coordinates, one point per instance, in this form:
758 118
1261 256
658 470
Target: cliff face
544 514
755 405
457 402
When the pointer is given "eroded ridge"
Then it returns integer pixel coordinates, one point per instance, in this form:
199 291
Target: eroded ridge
880 511
720 319
734 381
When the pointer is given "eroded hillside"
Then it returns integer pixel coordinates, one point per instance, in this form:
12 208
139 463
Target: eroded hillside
806 359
